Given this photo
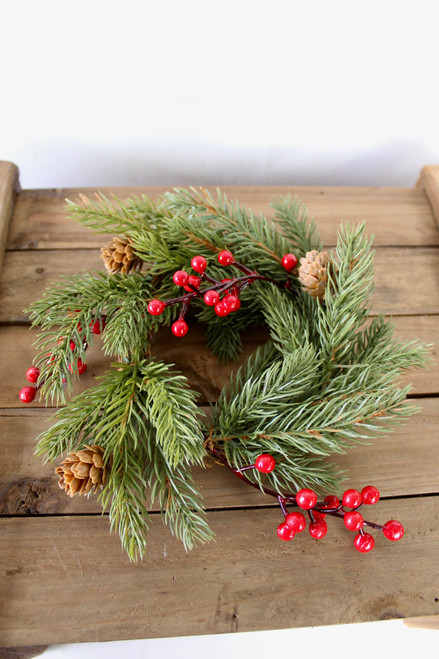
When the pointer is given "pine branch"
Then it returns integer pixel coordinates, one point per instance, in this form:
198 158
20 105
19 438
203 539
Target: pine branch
114 216
293 218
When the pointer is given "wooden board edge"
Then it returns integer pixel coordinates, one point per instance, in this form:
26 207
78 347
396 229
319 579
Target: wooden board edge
9 187
429 181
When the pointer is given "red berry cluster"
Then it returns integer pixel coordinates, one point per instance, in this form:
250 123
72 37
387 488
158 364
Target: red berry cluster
27 394
353 520
223 296
306 499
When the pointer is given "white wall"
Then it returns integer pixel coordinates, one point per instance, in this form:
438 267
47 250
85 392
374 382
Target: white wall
119 93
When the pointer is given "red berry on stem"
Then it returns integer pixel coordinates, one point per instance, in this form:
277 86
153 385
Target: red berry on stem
318 530
319 517
265 463
82 367
180 278
225 258
199 264
393 530
180 328
211 298
352 499
284 532
289 262
331 502
353 521
364 542
306 499
296 522
156 307
32 374
194 281
221 309
232 302
98 326
370 495
72 345
27 394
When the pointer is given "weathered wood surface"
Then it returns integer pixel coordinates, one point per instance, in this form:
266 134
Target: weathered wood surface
192 358
64 578
396 216
402 464
8 190
56 557
26 275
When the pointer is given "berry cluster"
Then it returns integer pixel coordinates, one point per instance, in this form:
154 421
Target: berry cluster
306 499
27 394
223 296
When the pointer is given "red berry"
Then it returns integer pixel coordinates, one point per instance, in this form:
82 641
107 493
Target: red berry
98 326
199 263
232 302
32 374
331 502
306 499
353 521
296 522
156 307
370 495
265 463
180 328
224 281
180 278
82 367
318 530
352 499
364 542
195 281
284 532
221 309
289 262
211 298
393 530
319 517
72 345
27 394
225 258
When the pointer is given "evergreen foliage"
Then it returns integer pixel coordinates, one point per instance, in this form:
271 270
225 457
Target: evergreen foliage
326 379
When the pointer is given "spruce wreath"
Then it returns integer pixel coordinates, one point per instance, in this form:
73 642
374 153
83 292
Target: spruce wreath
325 379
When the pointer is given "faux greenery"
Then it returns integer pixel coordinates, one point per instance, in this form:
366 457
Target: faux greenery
326 379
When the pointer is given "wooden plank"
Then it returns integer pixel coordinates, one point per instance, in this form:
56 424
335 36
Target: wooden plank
53 569
406 279
8 189
404 463
396 216
192 358
429 179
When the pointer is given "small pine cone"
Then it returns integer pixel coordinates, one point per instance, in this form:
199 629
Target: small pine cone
119 256
313 273
82 471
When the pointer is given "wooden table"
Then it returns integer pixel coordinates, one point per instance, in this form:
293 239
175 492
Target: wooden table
64 579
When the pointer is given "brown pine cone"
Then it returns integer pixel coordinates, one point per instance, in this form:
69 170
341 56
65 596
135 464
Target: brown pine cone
313 273
119 256
83 470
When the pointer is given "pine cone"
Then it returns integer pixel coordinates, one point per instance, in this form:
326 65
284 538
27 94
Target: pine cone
119 256
313 273
82 470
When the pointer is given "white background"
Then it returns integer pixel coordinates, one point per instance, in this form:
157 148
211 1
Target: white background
139 93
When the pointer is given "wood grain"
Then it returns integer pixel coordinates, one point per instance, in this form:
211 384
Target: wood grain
52 570
192 358
429 179
401 464
8 189
396 216
406 279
